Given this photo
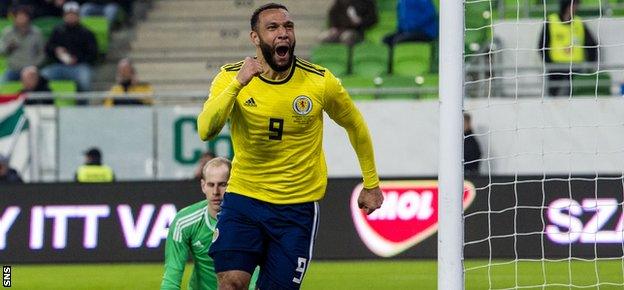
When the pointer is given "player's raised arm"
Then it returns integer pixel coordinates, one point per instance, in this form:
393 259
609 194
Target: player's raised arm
340 108
223 93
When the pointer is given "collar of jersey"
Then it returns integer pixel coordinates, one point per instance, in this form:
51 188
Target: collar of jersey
209 220
283 81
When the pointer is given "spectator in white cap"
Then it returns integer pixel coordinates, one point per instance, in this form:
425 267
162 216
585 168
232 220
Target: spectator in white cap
73 49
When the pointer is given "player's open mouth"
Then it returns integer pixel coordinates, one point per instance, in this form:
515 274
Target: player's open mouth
282 50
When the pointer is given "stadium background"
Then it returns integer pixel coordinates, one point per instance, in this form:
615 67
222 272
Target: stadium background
177 47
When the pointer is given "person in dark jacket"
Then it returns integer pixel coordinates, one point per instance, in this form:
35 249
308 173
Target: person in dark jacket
73 49
472 152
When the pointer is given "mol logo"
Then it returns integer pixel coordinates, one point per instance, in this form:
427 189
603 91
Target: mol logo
408 216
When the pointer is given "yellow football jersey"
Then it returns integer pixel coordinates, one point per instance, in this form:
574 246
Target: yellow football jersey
277 131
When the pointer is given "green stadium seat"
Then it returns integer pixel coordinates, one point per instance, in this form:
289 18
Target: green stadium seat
358 82
386 5
427 85
99 26
411 58
585 85
387 24
64 92
3 65
47 24
477 21
370 59
333 56
12 87
4 22
397 81
615 8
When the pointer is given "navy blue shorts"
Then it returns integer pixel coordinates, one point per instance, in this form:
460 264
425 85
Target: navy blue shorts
278 238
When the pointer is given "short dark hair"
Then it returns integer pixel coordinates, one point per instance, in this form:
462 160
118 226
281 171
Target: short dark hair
94 154
564 5
22 9
256 14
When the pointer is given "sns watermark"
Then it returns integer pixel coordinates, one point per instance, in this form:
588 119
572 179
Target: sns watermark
6 276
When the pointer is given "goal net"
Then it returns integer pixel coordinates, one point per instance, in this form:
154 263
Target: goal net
542 85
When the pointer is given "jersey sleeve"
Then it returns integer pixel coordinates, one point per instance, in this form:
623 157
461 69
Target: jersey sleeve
342 110
217 108
176 255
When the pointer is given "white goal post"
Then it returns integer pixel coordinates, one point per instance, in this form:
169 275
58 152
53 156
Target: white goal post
549 206
450 173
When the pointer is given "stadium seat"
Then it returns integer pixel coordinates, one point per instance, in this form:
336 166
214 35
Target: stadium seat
332 56
369 59
47 24
4 22
615 7
386 5
358 82
477 22
99 26
411 58
427 85
64 92
387 24
394 82
11 87
585 85
3 65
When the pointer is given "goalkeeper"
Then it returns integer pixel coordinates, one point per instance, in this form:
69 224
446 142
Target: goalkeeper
192 230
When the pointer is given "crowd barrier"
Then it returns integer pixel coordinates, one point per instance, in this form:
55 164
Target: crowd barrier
128 221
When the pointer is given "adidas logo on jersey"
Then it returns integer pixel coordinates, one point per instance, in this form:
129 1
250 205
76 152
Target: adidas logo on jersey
250 103
198 244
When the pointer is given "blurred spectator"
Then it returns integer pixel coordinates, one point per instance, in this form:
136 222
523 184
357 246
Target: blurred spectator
472 152
417 20
8 174
32 82
566 40
128 83
73 49
207 156
93 170
22 43
106 8
348 19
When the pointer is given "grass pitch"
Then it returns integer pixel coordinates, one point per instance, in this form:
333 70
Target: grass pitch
421 274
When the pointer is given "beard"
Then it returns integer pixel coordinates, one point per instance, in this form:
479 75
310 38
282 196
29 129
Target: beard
268 52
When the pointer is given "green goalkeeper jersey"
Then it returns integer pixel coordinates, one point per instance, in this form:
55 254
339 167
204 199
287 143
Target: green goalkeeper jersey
191 233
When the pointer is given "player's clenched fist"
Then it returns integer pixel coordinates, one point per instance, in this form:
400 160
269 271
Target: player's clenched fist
370 199
251 68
